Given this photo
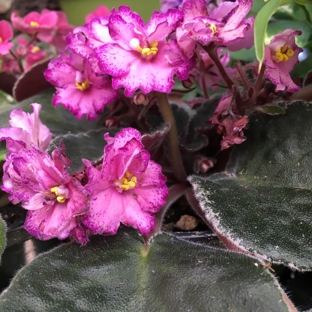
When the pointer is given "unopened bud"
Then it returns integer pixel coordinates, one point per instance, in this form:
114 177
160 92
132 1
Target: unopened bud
188 83
141 99
203 164
110 123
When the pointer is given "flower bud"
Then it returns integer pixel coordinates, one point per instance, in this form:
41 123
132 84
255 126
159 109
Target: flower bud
188 83
141 99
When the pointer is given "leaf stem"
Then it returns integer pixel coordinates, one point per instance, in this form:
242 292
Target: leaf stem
174 151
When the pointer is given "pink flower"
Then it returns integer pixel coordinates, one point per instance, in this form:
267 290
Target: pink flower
100 11
129 188
141 57
32 53
78 88
85 39
6 34
41 23
225 25
280 58
54 199
26 130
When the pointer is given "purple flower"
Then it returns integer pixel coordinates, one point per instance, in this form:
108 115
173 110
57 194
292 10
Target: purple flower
26 130
141 57
78 88
54 199
280 58
6 34
129 188
226 25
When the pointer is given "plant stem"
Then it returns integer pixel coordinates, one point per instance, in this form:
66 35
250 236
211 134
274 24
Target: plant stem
212 51
174 152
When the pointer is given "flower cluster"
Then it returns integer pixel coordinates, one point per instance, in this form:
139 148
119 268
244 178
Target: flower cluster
129 188
41 33
118 67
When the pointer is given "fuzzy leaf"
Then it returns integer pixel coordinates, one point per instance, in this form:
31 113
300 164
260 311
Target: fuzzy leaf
88 145
2 236
262 204
113 273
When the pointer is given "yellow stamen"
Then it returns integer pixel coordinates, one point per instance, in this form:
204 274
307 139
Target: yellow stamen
213 28
149 51
284 53
35 49
1 40
128 182
34 24
82 86
59 198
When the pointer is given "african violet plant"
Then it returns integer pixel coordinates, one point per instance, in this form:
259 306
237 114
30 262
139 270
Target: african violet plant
146 114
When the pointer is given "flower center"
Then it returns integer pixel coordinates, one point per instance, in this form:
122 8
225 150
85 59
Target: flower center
35 49
213 28
34 24
82 86
128 182
1 40
150 50
61 193
284 53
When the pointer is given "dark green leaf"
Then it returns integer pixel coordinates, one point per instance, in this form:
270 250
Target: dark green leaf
114 273
263 204
88 145
2 236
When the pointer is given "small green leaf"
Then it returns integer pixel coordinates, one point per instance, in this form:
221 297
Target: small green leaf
270 110
262 204
261 23
116 273
303 2
2 236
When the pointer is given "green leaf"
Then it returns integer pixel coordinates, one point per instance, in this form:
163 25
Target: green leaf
303 2
270 110
88 145
261 23
2 236
263 203
115 273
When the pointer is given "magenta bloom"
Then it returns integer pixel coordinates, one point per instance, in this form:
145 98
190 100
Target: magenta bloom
78 88
85 39
280 58
26 130
226 25
100 11
141 57
6 34
32 53
129 188
41 23
45 188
